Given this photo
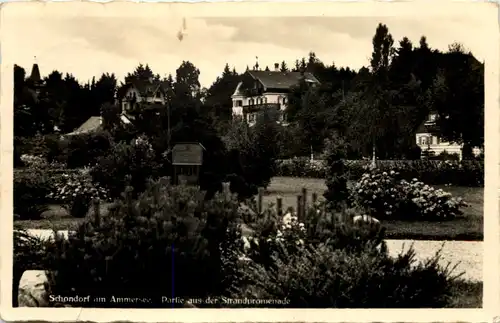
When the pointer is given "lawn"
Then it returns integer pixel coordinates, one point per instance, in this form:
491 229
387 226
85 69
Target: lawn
469 227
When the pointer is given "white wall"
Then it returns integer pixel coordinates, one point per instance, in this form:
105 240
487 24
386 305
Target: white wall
131 91
426 141
271 98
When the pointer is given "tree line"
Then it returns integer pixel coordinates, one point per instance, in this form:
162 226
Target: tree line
376 108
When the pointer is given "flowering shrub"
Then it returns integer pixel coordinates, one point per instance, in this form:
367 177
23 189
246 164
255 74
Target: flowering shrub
34 161
290 232
124 165
75 191
337 265
433 172
386 196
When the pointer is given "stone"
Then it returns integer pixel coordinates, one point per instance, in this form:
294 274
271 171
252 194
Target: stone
33 289
366 219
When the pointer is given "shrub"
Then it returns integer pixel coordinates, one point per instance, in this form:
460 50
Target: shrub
301 167
275 234
252 153
337 193
29 254
324 276
31 189
433 172
75 191
126 164
141 245
339 264
387 196
85 149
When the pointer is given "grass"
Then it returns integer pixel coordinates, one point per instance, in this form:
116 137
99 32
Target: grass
466 294
467 228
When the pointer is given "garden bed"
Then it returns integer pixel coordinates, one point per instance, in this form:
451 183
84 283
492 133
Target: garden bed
467 228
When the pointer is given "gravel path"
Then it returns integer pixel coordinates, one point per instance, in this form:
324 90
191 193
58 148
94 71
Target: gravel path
468 254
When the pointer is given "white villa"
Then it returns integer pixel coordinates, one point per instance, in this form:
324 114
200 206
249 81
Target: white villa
428 139
262 90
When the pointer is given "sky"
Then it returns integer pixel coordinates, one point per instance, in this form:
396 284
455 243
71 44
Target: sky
87 44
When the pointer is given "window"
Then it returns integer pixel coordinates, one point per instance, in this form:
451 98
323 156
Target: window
265 100
238 103
438 140
251 102
284 100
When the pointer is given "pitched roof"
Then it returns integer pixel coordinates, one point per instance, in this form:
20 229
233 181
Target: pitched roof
145 88
237 91
92 124
281 80
35 73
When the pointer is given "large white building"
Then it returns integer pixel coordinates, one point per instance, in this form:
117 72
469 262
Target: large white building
263 90
428 139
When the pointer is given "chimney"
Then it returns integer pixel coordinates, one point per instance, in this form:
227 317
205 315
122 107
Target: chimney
276 67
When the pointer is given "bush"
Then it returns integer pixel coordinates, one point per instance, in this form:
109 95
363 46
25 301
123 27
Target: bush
126 164
337 193
386 196
31 190
141 245
301 167
433 172
75 191
328 277
327 261
85 149
29 254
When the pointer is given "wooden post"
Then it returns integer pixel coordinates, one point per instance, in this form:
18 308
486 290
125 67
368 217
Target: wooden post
279 206
314 197
299 207
97 212
304 200
259 200
226 191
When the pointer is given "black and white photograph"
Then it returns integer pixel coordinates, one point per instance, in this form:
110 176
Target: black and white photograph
286 162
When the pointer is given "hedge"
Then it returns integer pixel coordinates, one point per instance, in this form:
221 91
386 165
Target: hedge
433 172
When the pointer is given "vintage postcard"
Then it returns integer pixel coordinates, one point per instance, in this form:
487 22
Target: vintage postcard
234 162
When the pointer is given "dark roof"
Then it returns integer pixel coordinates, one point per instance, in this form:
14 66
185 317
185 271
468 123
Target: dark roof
35 73
281 80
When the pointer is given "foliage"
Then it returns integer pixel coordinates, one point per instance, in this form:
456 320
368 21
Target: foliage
29 254
433 172
85 149
328 277
76 191
328 261
337 193
252 155
136 250
301 167
31 189
385 196
126 164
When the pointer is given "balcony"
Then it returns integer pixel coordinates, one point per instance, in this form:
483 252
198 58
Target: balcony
260 107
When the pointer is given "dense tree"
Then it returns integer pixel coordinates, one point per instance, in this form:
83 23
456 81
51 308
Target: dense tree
379 107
